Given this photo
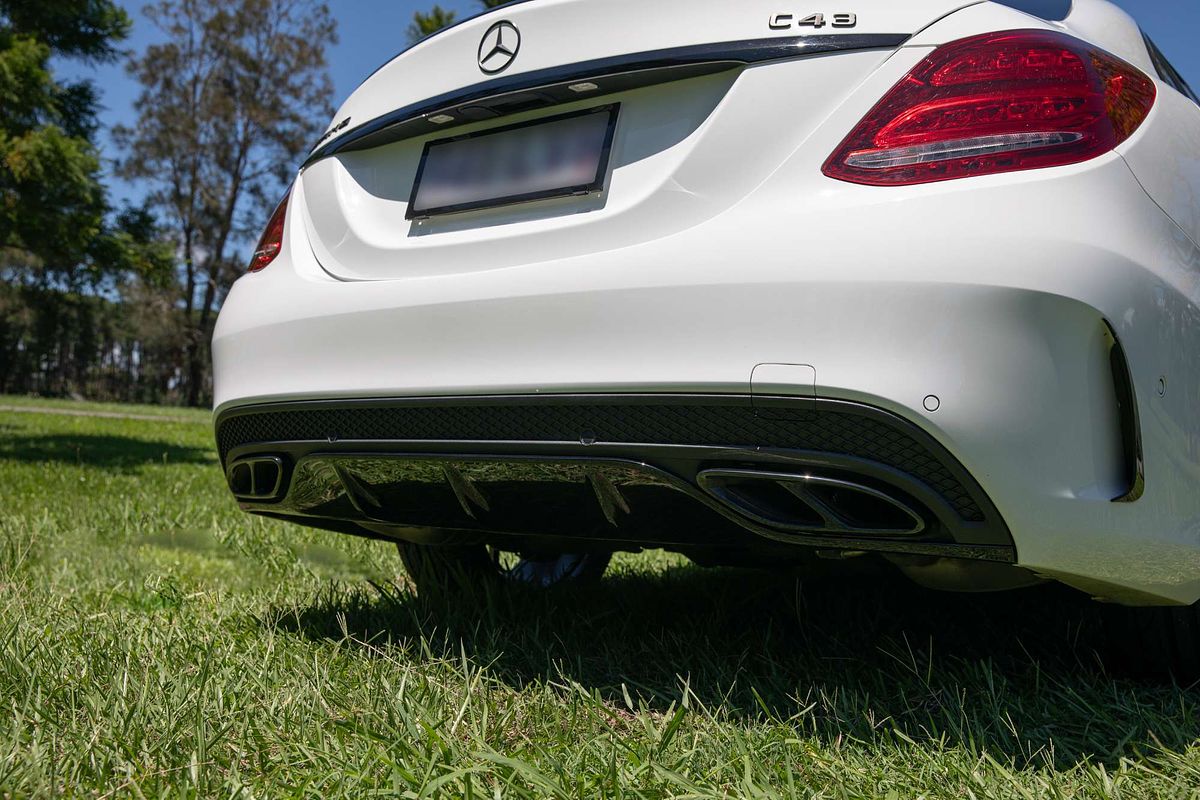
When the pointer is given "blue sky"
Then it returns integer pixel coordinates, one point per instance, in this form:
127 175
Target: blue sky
372 31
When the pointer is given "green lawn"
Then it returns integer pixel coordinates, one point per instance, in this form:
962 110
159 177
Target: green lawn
12 401
158 643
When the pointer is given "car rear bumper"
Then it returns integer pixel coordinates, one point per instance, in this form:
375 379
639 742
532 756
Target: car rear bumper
993 340
651 470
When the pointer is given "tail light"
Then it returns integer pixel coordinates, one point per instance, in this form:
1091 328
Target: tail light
271 241
995 103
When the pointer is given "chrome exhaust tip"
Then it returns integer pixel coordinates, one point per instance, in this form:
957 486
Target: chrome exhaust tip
807 503
256 477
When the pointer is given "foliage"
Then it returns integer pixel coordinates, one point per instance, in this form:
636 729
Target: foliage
427 23
159 643
53 207
61 342
64 255
86 29
230 101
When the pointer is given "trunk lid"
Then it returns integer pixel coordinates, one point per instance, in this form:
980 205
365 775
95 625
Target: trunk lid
694 82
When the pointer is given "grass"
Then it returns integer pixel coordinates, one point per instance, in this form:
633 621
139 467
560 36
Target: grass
14 401
157 643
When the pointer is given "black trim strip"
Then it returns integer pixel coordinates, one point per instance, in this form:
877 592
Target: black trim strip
654 66
1131 427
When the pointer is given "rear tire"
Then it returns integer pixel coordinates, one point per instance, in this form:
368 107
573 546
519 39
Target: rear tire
463 571
1159 643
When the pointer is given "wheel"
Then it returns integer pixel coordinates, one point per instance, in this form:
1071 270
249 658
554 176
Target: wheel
452 571
1159 643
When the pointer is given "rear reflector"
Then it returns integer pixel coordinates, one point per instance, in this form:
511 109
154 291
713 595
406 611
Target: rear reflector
271 241
995 103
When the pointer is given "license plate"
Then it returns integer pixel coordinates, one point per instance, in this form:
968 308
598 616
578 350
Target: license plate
556 157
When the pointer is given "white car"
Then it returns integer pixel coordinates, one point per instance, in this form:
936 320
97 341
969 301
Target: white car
755 282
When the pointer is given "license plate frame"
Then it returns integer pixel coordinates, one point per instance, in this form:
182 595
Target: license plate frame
594 184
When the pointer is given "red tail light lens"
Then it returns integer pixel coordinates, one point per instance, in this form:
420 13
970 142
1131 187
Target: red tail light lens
1000 102
271 241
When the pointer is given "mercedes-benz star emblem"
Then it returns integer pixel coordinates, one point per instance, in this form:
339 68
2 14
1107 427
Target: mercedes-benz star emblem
498 47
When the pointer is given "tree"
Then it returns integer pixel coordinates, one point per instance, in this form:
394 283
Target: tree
63 253
230 101
53 206
75 332
427 23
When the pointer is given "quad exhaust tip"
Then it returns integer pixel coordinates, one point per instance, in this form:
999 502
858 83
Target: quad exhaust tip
811 503
256 478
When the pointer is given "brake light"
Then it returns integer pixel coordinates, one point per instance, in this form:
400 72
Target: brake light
271 241
995 103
